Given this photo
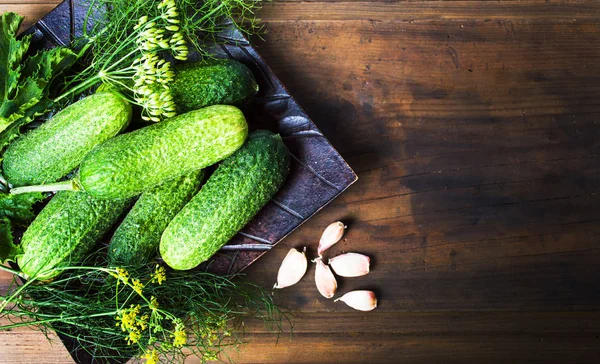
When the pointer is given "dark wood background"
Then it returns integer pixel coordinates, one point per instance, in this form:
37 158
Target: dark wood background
473 127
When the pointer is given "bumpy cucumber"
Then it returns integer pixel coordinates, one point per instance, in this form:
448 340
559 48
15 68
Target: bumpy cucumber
49 152
65 230
132 163
219 81
236 191
137 238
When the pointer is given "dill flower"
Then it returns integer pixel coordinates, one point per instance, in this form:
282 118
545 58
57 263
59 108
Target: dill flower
121 274
151 89
137 286
180 338
151 357
134 337
210 355
153 303
128 318
160 274
142 64
179 335
141 21
130 322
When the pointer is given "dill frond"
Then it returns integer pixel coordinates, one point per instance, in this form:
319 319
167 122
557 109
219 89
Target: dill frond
106 314
131 47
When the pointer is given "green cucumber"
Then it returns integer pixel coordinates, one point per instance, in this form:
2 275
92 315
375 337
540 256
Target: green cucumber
65 231
54 149
218 81
132 163
236 191
137 238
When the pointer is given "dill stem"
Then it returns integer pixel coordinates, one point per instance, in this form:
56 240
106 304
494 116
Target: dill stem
116 81
86 47
47 321
13 271
81 87
125 57
212 11
123 45
80 338
17 292
69 185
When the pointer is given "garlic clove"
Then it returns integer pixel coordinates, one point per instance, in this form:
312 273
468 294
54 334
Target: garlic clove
292 269
350 265
325 280
360 300
331 235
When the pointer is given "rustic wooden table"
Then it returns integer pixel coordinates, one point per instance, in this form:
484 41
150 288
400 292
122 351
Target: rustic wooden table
473 127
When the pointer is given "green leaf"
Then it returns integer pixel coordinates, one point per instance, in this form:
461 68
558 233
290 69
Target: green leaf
24 82
12 52
19 208
8 250
33 96
14 210
13 126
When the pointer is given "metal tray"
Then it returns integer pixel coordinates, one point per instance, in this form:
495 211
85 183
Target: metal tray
318 172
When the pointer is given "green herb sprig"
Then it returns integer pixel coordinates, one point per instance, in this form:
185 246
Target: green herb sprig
135 65
127 49
146 312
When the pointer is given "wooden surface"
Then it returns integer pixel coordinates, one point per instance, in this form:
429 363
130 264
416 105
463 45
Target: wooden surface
473 126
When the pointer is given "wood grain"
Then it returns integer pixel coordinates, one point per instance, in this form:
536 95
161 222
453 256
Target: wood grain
473 126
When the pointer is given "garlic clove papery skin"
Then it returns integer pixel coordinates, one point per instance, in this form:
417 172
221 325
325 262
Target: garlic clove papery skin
350 265
325 280
331 235
292 269
360 300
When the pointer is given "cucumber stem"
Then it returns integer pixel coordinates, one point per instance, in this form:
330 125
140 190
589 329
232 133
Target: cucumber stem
70 185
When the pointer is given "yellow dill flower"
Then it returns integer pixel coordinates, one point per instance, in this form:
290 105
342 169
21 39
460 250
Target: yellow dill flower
212 338
151 357
221 323
160 274
128 318
153 303
179 337
143 322
121 274
209 355
133 337
138 287
130 321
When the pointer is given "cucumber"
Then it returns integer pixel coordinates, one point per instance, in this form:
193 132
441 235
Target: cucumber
236 191
51 151
132 163
129 164
137 238
218 81
65 231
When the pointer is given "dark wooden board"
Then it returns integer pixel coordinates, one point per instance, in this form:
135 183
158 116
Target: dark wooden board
473 127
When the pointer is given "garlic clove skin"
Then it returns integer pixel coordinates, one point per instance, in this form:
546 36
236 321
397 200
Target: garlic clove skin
360 300
292 269
331 235
325 280
350 265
